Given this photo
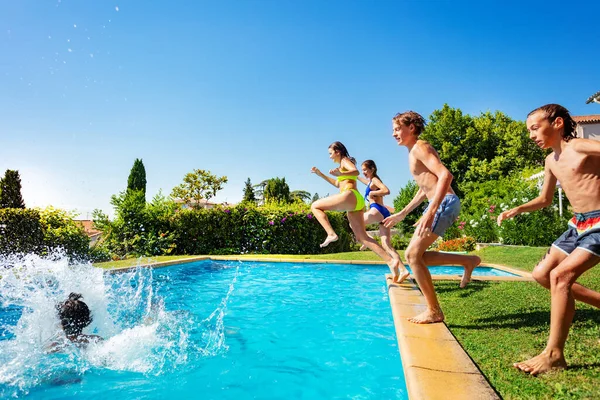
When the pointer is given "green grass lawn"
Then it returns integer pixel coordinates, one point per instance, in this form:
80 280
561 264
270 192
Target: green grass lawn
499 323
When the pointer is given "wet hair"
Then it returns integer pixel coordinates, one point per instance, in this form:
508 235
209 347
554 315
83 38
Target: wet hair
553 111
411 117
74 314
340 148
370 164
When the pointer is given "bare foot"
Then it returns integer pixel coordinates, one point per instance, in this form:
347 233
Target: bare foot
543 362
475 261
402 275
428 317
394 269
329 239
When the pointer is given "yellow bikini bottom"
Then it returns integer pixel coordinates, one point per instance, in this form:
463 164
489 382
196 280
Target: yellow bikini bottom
360 201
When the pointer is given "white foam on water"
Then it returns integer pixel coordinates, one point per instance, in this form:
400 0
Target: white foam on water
140 335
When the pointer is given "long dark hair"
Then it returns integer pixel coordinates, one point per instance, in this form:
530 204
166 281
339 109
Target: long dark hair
370 164
340 148
553 111
74 314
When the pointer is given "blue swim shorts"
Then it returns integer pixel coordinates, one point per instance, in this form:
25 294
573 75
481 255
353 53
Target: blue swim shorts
446 214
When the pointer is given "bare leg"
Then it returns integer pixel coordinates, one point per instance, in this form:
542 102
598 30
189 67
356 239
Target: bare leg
414 254
469 262
338 202
562 311
385 234
541 273
372 216
358 227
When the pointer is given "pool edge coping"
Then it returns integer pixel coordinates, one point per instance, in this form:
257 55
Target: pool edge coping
435 364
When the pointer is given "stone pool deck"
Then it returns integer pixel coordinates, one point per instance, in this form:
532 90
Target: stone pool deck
435 364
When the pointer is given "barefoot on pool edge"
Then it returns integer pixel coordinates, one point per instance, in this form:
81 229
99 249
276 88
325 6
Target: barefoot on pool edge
466 278
329 239
543 362
401 276
428 317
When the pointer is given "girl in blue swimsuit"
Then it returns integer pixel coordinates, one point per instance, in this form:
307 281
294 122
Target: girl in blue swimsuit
350 200
377 211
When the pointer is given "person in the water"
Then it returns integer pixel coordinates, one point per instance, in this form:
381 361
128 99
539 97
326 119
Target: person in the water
74 315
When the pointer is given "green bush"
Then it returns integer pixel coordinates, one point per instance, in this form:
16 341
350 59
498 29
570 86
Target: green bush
20 231
40 232
273 229
139 228
62 232
400 242
487 200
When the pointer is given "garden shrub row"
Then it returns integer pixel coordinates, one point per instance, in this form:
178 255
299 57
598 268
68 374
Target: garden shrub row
40 232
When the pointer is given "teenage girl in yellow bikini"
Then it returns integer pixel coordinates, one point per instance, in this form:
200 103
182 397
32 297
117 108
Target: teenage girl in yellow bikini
349 199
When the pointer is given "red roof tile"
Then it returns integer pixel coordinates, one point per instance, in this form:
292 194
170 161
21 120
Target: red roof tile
587 119
88 227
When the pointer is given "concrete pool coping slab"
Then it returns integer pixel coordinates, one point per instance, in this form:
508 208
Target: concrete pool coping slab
435 364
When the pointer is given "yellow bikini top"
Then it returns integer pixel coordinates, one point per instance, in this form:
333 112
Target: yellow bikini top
346 178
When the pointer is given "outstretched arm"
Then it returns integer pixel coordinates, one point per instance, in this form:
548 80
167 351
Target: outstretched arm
543 200
363 180
587 146
394 219
329 179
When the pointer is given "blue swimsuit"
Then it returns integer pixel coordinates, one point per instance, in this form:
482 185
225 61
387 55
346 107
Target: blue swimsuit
382 210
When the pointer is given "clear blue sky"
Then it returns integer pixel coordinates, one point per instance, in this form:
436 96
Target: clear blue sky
259 89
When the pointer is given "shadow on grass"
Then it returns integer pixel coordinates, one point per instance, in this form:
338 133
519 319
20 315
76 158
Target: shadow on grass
538 321
454 288
583 367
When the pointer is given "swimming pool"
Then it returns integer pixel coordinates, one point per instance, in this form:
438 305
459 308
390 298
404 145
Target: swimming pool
209 329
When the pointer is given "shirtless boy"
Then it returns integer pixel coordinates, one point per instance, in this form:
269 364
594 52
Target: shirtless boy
575 163
434 181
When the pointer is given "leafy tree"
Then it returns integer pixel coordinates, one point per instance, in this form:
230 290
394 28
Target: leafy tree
404 197
137 177
276 190
315 197
198 185
481 148
300 195
249 195
10 190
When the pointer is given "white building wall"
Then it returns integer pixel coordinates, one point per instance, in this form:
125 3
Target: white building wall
589 131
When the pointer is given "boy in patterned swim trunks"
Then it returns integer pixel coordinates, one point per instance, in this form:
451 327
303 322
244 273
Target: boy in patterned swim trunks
575 162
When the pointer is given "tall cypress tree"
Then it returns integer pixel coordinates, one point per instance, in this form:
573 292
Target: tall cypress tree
137 177
249 195
10 190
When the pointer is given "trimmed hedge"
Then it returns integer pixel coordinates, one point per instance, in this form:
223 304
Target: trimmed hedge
40 232
264 230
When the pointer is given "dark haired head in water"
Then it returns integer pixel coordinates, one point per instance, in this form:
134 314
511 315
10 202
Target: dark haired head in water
74 315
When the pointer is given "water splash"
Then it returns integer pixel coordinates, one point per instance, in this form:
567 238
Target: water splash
214 327
141 334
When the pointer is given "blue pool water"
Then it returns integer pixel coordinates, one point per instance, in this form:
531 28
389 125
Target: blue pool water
209 330
479 271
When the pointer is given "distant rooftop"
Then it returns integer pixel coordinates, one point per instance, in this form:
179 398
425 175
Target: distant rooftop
587 119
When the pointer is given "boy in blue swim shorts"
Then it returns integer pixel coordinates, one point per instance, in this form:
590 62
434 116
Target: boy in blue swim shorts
434 181
575 162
